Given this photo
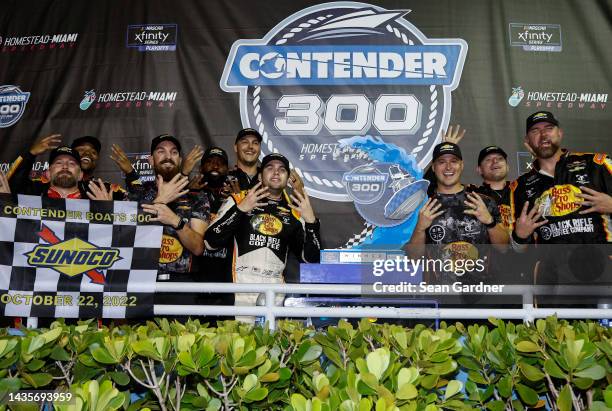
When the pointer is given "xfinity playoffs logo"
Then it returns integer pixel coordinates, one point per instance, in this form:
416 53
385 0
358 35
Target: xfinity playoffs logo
127 99
12 104
557 99
152 37
339 70
38 42
536 37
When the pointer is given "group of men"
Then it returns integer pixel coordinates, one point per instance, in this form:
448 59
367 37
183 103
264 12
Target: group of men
564 198
224 225
240 224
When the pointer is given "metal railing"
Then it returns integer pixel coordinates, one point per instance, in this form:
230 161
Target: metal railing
271 311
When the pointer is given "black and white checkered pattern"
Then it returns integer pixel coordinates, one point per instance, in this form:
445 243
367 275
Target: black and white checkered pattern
357 239
129 280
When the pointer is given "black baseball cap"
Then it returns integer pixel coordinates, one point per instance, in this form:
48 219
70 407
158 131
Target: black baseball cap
248 132
490 150
275 156
446 148
215 152
164 137
64 150
87 140
539 117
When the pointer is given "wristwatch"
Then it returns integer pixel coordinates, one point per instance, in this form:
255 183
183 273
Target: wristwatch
492 224
181 224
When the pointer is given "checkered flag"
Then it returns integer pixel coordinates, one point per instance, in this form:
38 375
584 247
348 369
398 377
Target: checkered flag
76 258
357 239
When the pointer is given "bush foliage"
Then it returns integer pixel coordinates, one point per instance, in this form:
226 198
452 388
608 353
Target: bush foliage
170 366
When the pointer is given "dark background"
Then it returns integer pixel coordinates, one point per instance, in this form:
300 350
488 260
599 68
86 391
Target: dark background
204 114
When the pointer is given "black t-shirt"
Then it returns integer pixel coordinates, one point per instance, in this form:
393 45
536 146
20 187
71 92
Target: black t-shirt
454 225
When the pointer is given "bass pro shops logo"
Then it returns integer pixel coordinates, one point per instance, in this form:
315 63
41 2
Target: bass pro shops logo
72 257
339 70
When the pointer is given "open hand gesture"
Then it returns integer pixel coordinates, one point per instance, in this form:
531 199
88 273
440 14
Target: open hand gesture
599 202
97 191
194 156
428 213
168 191
122 161
454 134
527 222
477 208
302 205
253 198
44 144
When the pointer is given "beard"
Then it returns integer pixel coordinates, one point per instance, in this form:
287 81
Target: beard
166 173
64 180
214 179
546 152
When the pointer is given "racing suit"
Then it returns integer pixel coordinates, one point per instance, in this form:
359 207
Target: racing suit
557 200
262 239
555 196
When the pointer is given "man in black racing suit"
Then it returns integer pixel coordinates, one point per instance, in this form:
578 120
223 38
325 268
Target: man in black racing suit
265 225
564 199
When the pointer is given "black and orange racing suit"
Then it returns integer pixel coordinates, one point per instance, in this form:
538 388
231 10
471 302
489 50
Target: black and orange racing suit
262 239
557 200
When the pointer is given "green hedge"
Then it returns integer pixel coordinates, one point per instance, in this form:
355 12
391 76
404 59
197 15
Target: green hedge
190 366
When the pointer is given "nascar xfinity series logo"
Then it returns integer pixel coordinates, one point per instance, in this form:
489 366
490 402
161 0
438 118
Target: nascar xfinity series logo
72 257
12 104
338 70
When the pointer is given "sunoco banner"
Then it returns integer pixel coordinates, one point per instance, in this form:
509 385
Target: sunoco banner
76 258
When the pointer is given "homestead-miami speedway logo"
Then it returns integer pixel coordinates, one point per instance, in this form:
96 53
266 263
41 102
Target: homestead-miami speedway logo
340 70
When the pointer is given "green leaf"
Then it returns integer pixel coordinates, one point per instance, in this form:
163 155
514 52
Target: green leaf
311 354
452 388
564 402
551 367
527 394
595 372
583 383
527 346
468 363
284 374
38 379
59 354
530 372
35 344
249 382
607 394
298 402
407 392
184 358
378 361
599 406
35 365
407 376
504 386
10 384
120 377
214 405
257 394
496 405
51 335
103 356
185 342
